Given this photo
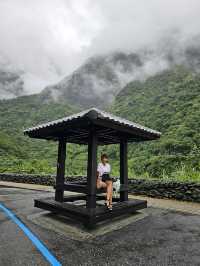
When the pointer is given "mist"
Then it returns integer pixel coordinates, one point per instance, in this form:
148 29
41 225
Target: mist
47 40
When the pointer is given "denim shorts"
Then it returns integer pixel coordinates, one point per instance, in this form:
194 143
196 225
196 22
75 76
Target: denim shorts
106 177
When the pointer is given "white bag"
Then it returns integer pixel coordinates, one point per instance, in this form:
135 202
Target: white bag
116 187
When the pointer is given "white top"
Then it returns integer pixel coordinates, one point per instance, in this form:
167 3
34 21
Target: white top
102 169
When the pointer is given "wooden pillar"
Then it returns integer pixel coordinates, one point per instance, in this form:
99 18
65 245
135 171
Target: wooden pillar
123 170
60 177
92 170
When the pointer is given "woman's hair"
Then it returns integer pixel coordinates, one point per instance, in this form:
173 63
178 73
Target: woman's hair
104 155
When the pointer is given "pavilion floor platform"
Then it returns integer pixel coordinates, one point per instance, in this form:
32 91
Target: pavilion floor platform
75 207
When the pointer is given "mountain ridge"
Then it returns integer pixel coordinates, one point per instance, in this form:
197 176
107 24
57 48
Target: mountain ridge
97 81
99 76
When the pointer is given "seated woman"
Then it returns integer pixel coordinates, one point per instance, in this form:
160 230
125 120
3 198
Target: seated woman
104 180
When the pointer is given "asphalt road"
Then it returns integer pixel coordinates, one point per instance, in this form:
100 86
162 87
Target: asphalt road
161 238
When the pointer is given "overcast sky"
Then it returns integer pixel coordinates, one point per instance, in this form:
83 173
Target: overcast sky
47 39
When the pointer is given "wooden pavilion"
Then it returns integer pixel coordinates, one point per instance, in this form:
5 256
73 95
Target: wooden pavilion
92 127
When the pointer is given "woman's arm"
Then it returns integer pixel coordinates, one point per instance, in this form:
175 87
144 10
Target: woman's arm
98 170
97 174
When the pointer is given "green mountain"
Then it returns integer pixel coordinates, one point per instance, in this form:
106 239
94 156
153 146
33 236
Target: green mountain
19 153
168 102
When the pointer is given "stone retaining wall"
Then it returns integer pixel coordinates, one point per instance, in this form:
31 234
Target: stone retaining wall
153 188
48 180
166 189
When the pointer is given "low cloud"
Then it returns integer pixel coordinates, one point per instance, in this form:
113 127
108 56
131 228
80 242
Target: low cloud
46 40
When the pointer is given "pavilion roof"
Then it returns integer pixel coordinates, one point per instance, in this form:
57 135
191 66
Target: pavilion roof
75 128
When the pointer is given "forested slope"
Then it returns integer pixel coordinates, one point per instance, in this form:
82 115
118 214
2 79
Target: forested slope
168 102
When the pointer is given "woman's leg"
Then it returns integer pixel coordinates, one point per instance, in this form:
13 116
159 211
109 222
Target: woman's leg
109 191
100 184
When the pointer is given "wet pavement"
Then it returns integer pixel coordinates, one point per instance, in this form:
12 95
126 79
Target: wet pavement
160 237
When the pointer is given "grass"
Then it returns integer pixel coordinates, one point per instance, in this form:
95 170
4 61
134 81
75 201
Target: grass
182 174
